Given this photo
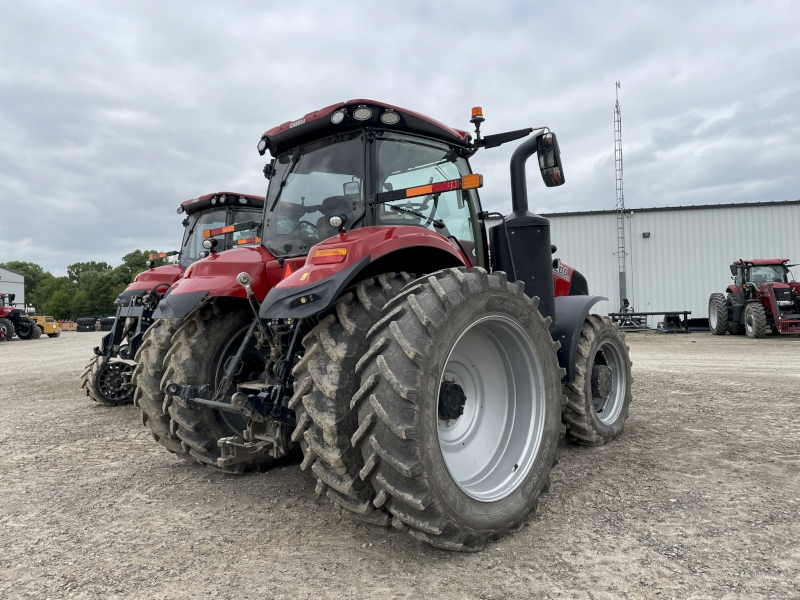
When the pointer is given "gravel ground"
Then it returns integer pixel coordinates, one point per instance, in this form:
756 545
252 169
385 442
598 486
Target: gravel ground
699 498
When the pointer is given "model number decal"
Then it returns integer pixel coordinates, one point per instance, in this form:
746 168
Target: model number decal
562 272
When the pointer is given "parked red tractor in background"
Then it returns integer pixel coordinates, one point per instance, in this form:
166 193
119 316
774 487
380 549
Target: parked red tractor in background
107 377
764 296
15 321
432 401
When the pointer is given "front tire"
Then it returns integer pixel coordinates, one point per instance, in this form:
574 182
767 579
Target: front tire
755 320
718 314
599 398
460 408
106 381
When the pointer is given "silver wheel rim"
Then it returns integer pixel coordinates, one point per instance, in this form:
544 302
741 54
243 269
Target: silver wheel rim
712 315
609 407
490 449
748 320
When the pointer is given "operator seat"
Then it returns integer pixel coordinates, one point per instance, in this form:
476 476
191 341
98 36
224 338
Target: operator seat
335 205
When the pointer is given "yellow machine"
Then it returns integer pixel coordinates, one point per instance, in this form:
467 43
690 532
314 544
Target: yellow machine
48 325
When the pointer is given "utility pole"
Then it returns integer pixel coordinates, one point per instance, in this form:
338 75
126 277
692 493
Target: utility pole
620 207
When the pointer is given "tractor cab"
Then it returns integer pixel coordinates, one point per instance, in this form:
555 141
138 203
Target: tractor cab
216 211
754 274
368 177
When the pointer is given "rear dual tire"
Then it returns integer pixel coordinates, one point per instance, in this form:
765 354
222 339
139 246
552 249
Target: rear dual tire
718 314
428 344
325 384
196 356
149 397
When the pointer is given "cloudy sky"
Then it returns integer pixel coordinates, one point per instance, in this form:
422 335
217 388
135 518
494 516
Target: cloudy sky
112 113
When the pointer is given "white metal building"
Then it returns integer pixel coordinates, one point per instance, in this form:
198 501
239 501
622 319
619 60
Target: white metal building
676 256
13 283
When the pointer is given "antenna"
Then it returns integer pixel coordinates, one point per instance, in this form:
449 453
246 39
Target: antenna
620 206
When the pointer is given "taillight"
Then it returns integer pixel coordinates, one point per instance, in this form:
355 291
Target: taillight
329 256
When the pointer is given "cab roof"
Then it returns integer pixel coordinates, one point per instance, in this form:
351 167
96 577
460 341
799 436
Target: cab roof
319 123
223 199
762 261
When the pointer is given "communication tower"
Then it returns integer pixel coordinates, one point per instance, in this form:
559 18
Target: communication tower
620 207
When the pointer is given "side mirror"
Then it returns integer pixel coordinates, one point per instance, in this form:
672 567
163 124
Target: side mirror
11 298
351 188
734 270
550 160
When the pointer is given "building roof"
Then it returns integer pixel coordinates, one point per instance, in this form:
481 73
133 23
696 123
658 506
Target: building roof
668 208
14 272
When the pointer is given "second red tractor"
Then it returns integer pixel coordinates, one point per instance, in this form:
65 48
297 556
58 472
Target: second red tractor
763 297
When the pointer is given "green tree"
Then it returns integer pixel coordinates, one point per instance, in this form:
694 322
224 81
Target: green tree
48 288
102 292
59 305
75 270
33 273
80 305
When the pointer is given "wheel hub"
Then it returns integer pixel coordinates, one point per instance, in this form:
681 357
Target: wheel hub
112 381
452 400
602 381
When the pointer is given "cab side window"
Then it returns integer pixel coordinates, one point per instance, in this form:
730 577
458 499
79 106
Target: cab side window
243 216
406 163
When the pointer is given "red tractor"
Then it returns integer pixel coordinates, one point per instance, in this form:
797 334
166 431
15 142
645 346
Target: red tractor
422 363
764 296
107 377
15 321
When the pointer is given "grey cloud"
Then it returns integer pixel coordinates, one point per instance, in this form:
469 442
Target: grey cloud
113 113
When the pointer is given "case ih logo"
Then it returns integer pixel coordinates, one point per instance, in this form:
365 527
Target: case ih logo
296 123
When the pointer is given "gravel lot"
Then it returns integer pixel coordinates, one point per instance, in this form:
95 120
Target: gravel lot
699 498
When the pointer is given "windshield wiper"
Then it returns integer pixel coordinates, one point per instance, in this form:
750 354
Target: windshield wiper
289 171
436 222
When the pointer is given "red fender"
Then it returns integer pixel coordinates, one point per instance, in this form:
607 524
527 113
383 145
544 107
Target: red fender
216 275
372 242
314 287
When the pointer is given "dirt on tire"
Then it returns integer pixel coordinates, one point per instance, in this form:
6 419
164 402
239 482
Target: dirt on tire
583 423
149 396
326 382
398 398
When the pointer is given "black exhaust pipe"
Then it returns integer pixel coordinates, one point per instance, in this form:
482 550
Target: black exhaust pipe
521 244
519 180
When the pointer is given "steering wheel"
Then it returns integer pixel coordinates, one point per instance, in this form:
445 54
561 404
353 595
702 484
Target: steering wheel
302 222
